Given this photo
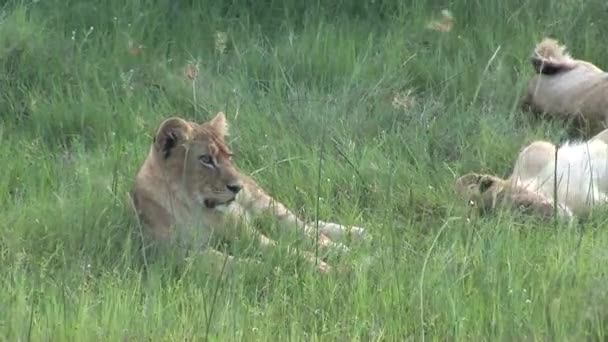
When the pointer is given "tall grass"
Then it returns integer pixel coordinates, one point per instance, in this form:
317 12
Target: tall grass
394 110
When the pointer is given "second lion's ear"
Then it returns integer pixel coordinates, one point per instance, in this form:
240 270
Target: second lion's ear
220 124
550 67
171 132
485 183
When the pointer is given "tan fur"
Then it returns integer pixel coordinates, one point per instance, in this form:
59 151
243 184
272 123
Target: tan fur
488 192
188 189
567 88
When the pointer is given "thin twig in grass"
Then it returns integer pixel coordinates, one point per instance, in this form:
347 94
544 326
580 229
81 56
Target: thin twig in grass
343 155
214 299
194 101
284 74
382 79
394 241
590 189
555 202
231 99
210 311
426 259
64 303
582 226
31 323
274 164
549 322
141 232
322 150
485 71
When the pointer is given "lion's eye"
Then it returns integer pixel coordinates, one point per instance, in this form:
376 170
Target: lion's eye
207 160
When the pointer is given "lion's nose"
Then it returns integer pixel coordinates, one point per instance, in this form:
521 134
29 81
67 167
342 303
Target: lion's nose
234 188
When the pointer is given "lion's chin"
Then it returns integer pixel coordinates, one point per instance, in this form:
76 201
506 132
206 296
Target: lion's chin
213 204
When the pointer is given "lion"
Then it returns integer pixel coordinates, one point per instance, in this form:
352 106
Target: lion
488 192
189 189
577 173
569 89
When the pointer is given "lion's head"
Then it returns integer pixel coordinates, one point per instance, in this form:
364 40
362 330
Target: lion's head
197 156
488 192
479 190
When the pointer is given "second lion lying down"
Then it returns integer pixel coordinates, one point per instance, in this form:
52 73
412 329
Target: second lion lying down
567 88
582 180
188 189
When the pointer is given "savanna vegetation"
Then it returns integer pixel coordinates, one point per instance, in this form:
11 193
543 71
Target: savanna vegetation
361 112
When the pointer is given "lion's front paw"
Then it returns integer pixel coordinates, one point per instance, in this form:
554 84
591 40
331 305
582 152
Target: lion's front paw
323 267
319 264
326 242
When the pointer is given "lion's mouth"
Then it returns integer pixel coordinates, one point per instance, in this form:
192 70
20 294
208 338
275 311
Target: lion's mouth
212 204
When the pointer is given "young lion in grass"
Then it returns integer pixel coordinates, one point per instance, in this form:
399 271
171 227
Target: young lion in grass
188 189
582 179
566 88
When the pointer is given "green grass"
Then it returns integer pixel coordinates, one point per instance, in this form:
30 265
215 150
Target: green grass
299 81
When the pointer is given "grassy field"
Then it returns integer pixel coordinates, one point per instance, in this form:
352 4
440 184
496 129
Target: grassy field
388 111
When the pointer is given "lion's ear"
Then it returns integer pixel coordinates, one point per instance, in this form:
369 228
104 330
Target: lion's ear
171 132
547 66
485 183
220 124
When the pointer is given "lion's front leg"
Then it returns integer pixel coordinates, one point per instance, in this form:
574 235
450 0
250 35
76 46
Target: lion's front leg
337 231
256 200
268 244
236 215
